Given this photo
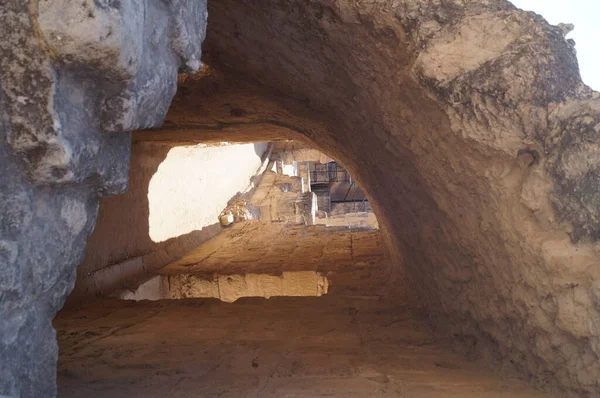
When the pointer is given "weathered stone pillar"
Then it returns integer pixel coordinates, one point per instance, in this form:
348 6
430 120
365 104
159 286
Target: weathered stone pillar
304 173
76 79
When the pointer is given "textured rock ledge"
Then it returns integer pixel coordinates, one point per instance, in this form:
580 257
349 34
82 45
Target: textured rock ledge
76 78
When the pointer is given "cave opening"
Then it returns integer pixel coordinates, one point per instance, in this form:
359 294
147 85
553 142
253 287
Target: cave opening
466 124
228 220
295 228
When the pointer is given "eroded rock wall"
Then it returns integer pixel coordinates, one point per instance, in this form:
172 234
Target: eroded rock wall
468 124
466 121
76 77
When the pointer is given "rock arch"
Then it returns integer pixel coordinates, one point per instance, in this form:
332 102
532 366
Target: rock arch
466 121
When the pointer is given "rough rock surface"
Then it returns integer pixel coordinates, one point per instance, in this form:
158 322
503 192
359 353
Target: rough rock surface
76 78
466 121
269 248
469 127
329 346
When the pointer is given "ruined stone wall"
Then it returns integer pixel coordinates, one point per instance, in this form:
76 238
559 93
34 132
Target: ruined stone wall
172 205
340 191
350 207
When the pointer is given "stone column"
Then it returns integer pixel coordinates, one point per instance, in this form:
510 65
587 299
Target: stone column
304 173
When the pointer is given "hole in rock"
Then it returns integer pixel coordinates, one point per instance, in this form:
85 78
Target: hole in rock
229 220
240 198
241 222
322 198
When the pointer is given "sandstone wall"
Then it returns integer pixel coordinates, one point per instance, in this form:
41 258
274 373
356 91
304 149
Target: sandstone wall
468 125
465 121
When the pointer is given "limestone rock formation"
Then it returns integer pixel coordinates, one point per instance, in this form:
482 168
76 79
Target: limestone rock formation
465 120
75 79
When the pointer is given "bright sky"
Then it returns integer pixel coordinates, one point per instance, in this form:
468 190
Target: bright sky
585 15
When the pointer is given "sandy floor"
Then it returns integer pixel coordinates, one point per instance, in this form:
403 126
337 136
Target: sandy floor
329 346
